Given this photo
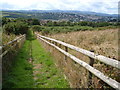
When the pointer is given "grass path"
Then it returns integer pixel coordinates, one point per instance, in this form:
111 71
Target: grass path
41 72
46 74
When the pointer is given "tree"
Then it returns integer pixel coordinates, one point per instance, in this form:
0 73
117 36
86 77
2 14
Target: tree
36 28
83 23
55 23
16 27
5 20
35 22
49 23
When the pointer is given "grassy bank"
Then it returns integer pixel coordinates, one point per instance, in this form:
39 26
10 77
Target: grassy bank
20 75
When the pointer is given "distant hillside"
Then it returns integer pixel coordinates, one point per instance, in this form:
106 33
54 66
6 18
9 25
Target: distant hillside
59 15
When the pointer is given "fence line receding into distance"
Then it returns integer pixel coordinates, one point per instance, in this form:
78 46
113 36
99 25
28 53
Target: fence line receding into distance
112 62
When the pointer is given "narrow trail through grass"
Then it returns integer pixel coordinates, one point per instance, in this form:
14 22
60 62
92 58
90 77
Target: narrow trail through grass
46 75
34 68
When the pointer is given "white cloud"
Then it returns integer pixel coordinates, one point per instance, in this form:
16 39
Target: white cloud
104 6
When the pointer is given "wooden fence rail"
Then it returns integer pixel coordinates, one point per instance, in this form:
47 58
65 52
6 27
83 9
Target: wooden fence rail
17 40
8 51
106 60
111 82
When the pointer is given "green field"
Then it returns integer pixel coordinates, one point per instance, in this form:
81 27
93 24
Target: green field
66 29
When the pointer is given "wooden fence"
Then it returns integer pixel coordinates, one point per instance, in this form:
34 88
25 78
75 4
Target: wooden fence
9 50
88 66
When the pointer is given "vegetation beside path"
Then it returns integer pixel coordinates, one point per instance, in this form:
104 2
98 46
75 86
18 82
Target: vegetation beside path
34 68
21 74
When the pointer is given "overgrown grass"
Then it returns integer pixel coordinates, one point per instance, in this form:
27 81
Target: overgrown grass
7 38
102 42
47 75
21 73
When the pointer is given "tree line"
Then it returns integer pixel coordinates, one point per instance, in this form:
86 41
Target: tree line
21 25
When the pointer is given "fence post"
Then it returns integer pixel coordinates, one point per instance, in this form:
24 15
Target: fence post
25 37
90 74
59 45
50 47
56 43
66 49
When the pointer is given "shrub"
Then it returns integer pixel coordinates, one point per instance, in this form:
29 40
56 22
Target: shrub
5 20
35 22
36 28
16 27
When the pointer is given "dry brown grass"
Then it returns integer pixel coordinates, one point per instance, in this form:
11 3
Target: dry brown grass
104 42
6 38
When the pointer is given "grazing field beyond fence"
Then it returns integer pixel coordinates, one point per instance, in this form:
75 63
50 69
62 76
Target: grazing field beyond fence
82 71
104 42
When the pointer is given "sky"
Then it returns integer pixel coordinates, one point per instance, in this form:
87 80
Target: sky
101 6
